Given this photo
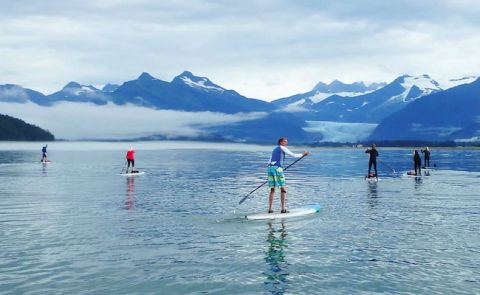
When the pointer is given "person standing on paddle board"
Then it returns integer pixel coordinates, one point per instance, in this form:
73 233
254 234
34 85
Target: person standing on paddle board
426 158
372 161
131 159
44 153
276 176
417 163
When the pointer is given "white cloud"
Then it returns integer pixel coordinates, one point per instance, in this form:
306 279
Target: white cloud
68 120
262 49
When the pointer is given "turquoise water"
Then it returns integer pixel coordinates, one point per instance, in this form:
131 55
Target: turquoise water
76 226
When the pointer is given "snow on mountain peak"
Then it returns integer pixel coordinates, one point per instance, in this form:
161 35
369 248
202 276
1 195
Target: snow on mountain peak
198 82
446 84
203 83
415 87
423 82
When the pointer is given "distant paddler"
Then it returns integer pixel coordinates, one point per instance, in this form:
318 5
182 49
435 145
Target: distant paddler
372 161
417 163
131 160
276 176
44 154
426 159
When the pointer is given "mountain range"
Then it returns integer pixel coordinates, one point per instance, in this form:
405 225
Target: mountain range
409 107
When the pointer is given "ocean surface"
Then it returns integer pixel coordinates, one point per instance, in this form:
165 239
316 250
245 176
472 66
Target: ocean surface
76 226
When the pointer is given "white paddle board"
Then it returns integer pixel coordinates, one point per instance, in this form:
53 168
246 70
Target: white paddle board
45 162
306 210
133 174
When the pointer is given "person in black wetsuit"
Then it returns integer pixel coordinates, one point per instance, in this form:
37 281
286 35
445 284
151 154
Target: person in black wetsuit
426 158
373 160
417 162
44 154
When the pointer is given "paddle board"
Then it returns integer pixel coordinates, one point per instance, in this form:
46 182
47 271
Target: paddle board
306 210
45 162
372 179
133 174
412 174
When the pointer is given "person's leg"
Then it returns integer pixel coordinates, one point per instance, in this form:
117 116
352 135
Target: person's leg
375 167
283 192
369 167
270 200
133 165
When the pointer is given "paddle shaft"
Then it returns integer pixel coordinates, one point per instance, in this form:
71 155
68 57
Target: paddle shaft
393 170
124 166
244 198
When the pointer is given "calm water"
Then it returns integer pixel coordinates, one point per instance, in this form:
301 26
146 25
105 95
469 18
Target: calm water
76 226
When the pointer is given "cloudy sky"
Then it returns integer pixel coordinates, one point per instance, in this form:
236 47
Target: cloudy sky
264 49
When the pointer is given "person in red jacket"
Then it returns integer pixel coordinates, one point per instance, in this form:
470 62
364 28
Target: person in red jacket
131 159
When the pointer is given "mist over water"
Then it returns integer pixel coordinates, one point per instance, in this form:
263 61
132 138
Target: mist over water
76 226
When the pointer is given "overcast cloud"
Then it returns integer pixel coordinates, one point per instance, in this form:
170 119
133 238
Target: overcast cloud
263 49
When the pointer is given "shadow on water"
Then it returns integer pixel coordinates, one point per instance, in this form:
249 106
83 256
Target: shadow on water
130 193
277 267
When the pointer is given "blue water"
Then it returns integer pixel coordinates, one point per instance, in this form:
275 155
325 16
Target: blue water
76 226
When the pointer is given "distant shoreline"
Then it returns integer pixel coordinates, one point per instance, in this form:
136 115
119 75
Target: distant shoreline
167 144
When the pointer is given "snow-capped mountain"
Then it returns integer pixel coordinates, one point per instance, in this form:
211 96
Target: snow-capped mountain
374 106
186 92
73 91
446 115
304 101
330 112
449 83
200 83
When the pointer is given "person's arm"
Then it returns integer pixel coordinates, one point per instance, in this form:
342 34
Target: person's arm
288 152
367 151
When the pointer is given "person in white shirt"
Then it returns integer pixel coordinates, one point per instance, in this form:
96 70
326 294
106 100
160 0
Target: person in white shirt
276 176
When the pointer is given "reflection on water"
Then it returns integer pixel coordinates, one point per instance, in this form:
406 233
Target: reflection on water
44 169
372 194
418 182
277 268
130 193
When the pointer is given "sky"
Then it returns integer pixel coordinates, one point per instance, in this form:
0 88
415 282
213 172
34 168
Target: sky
262 49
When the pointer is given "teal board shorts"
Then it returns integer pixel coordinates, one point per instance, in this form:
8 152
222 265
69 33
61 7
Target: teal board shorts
276 177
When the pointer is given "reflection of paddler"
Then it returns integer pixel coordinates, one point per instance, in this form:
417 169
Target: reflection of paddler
129 201
276 273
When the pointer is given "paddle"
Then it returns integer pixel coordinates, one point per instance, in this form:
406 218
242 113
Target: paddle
244 198
124 166
393 170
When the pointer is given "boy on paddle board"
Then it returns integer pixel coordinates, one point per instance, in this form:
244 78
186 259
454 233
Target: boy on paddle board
276 176
131 159
44 153
372 161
